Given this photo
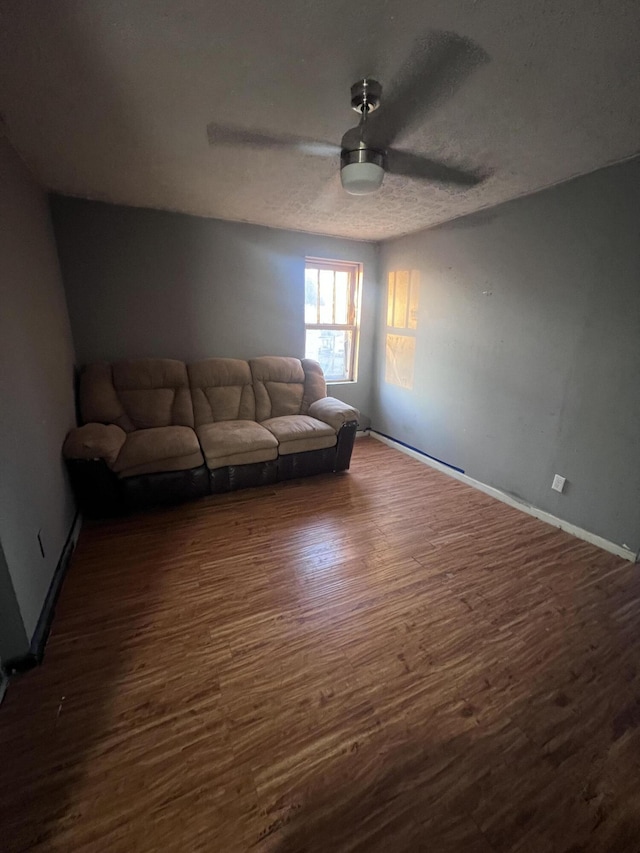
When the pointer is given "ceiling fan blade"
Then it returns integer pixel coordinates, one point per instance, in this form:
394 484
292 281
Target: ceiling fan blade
438 64
424 169
226 135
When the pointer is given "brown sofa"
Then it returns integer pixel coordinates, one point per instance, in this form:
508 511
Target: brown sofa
160 431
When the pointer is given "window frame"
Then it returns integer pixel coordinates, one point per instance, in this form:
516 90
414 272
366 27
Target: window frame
354 270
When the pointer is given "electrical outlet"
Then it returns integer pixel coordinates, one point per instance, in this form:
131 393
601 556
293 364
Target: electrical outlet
558 483
40 543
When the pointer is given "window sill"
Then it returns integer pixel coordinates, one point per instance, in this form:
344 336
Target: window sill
342 381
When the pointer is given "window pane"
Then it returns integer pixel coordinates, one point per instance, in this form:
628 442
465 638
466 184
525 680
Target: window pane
311 295
342 297
326 296
332 348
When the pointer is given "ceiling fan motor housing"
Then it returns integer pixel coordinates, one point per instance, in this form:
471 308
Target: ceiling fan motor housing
362 170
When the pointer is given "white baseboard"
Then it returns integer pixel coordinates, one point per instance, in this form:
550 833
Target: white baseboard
579 532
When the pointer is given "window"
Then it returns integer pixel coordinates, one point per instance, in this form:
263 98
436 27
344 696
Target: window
331 313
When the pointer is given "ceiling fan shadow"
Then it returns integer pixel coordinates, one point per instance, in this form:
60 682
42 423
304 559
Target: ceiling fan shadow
438 65
422 168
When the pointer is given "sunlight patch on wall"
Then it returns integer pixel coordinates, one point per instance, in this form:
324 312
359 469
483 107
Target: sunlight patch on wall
403 294
400 361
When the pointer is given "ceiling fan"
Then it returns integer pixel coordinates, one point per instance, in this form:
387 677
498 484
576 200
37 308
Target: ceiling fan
438 64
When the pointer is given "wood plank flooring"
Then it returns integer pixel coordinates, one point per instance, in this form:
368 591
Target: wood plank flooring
384 660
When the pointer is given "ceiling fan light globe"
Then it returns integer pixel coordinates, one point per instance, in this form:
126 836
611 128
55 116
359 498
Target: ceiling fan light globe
361 178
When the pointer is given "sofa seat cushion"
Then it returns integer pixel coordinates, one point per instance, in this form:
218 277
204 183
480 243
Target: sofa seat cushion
149 451
297 433
236 443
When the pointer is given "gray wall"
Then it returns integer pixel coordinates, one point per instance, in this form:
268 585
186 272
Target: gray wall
36 393
151 283
528 349
13 637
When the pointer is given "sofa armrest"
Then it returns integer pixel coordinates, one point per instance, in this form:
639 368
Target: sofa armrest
333 412
95 441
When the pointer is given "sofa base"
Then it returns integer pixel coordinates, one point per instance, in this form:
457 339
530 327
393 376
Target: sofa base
164 488
96 487
233 477
295 465
101 494
344 446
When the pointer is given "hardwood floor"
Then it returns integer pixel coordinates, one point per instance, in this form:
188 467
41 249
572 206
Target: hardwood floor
384 660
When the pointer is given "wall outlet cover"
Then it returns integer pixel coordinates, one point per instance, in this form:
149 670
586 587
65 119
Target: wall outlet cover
558 483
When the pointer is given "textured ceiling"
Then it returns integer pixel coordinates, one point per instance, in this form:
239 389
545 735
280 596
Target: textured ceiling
110 99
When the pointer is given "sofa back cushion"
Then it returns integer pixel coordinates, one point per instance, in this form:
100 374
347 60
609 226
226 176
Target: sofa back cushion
141 394
221 390
278 383
285 386
315 387
99 401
